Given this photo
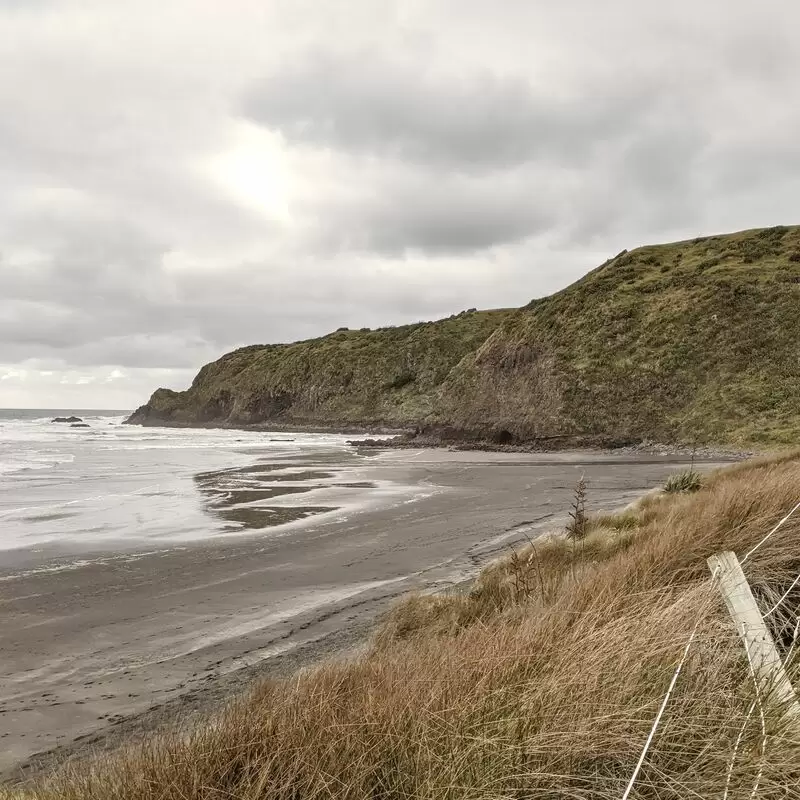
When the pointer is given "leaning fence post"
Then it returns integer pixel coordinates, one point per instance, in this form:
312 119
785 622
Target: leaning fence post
744 611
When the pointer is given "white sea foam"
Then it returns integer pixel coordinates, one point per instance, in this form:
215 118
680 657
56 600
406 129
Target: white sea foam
92 487
26 460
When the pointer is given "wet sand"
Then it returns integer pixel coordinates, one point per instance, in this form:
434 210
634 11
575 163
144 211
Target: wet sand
99 649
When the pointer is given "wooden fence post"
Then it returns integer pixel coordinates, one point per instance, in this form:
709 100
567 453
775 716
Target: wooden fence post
744 611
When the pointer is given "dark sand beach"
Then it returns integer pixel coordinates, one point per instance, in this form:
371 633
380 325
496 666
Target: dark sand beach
101 645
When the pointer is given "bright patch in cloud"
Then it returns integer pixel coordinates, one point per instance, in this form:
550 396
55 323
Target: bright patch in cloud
253 172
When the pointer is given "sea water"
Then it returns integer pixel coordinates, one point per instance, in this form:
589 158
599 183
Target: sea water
111 485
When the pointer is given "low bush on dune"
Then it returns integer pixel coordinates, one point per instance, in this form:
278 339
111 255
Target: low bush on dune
688 481
541 681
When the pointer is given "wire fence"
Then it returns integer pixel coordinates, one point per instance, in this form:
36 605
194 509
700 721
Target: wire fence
757 703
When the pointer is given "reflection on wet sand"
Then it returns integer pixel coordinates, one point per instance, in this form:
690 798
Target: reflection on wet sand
238 496
257 517
235 497
52 517
308 475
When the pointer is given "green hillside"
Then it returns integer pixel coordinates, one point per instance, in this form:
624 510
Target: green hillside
696 340
372 377
671 342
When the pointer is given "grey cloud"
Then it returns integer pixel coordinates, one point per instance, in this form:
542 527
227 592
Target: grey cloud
113 301
445 225
24 5
623 148
436 214
368 104
171 352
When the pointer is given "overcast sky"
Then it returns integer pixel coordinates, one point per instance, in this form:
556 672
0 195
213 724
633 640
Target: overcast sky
182 177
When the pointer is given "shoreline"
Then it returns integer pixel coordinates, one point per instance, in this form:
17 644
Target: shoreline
191 627
698 454
274 426
394 437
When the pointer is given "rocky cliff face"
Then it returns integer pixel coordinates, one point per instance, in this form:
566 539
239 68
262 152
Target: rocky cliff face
691 341
387 376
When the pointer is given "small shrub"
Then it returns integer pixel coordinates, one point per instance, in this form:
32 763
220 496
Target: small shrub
577 526
403 379
620 521
776 232
795 257
708 263
687 481
759 246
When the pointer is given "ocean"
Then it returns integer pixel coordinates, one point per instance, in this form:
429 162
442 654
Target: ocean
114 486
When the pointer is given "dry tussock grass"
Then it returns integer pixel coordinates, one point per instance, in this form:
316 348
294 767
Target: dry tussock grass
543 682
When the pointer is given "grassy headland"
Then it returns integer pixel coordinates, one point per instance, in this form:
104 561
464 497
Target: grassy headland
694 341
541 681
360 377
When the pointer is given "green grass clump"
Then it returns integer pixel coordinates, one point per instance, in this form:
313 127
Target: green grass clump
687 481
